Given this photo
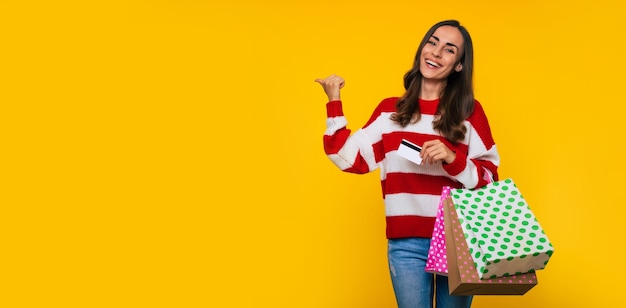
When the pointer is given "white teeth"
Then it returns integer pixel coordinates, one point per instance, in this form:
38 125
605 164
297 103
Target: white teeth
432 63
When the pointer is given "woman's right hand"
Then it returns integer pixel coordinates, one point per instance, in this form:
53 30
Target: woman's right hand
332 86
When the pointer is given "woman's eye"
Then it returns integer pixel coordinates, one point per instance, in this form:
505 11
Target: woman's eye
450 50
432 43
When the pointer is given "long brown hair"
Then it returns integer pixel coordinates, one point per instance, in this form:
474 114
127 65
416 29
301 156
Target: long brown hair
456 103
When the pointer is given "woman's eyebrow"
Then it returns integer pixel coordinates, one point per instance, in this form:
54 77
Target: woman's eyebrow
448 43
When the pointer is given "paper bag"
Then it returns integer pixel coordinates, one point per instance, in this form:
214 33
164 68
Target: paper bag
501 232
436 261
462 276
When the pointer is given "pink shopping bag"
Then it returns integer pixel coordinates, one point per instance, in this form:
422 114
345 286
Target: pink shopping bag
437 261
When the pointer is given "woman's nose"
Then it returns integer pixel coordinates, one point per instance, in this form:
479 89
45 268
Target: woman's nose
437 52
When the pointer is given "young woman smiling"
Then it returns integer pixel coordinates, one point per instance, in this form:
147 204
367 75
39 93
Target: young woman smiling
438 112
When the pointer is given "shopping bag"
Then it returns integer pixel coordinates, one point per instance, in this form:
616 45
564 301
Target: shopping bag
502 234
436 261
462 276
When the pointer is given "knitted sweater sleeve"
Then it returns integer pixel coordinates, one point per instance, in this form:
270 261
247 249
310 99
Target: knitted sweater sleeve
354 153
479 165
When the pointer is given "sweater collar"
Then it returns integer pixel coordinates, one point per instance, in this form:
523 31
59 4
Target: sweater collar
428 106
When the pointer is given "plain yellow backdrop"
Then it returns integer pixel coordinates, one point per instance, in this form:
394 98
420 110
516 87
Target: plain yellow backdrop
169 153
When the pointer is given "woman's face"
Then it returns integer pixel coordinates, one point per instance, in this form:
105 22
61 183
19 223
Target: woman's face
442 53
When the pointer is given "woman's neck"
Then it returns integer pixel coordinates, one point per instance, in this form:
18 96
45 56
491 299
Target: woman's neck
432 89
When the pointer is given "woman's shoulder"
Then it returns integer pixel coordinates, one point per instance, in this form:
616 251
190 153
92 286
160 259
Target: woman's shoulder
480 123
387 104
478 112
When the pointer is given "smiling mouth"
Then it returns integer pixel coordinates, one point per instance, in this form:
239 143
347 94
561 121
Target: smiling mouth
432 63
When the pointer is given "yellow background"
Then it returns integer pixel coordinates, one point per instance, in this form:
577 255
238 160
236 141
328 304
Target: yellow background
169 153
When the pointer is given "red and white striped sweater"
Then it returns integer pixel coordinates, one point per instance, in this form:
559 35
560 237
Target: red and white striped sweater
411 192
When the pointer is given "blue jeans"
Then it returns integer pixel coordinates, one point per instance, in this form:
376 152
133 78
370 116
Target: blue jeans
413 287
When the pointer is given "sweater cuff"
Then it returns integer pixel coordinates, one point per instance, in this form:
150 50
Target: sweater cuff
334 109
457 166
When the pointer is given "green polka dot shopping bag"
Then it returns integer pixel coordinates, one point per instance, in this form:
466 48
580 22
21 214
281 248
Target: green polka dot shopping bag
462 276
501 232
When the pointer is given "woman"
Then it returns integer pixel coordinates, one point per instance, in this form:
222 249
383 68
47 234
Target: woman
439 113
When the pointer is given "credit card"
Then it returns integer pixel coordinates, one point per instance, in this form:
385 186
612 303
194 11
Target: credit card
410 151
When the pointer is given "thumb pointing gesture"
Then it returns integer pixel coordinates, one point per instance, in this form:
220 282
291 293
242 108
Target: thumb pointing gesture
332 86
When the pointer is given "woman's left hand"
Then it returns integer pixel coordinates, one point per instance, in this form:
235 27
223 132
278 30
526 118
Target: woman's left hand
434 151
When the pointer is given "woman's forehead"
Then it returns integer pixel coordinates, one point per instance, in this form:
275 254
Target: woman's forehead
449 34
